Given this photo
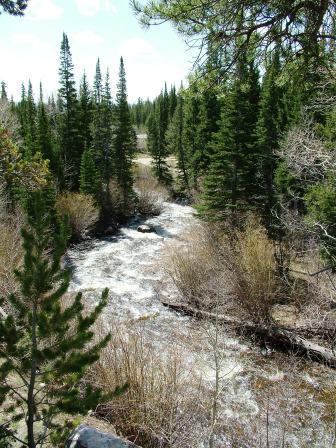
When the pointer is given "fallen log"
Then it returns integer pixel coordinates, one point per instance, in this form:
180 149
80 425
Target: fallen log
279 337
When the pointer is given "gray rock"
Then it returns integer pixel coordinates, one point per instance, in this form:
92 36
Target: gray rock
145 229
86 437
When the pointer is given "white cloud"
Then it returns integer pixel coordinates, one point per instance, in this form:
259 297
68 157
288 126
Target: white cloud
30 39
43 10
94 7
87 37
135 47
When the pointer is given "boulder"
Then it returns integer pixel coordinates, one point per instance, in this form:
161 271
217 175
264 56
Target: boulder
145 229
86 437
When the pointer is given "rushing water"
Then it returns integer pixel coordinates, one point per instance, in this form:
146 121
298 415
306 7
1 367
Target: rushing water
129 264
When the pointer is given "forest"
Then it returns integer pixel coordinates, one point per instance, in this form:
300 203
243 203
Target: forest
232 340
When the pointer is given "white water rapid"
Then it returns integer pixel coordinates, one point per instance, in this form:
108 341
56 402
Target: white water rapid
129 264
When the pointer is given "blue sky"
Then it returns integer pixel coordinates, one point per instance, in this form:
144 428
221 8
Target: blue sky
108 29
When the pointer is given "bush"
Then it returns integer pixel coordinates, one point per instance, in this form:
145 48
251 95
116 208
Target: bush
150 193
162 402
240 272
198 269
255 278
11 253
82 211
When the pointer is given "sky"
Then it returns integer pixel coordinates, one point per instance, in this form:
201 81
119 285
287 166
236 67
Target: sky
108 29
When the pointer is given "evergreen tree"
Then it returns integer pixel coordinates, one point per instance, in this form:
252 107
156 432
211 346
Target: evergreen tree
3 95
44 135
157 143
175 135
172 102
85 112
269 129
123 141
190 128
209 114
71 145
46 347
89 178
231 183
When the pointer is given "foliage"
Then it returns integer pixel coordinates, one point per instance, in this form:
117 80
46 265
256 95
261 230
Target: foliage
321 205
81 210
14 169
45 346
303 28
14 7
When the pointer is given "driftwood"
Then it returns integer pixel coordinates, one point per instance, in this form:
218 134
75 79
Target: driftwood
279 337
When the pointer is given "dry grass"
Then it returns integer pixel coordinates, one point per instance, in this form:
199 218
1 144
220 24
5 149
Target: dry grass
161 407
11 253
256 280
82 211
238 273
197 268
150 193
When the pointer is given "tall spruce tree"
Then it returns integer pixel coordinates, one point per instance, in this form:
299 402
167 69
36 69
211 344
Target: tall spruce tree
174 136
85 112
269 128
45 141
71 145
46 347
3 95
231 182
123 140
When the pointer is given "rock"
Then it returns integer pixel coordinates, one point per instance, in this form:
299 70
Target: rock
145 229
86 437
285 315
109 231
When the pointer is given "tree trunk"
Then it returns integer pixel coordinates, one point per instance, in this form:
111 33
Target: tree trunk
279 337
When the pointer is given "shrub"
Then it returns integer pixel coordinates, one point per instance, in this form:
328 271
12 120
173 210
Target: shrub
150 193
255 278
82 211
162 402
197 267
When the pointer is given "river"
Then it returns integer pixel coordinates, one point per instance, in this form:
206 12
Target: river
294 397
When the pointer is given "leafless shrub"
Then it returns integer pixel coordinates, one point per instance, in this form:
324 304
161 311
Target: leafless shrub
161 407
256 282
306 154
82 211
150 193
11 254
198 269
9 121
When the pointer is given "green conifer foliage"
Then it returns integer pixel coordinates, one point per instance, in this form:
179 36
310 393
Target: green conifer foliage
71 145
89 178
232 181
269 129
85 112
46 346
175 142
3 95
123 141
44 140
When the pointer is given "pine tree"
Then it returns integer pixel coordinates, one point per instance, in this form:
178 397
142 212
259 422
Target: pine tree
44 140
46 347
85 112
123 141
209 114
269 128
89 178
231 182
190 129
3 95
71 144
157 144
175 135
